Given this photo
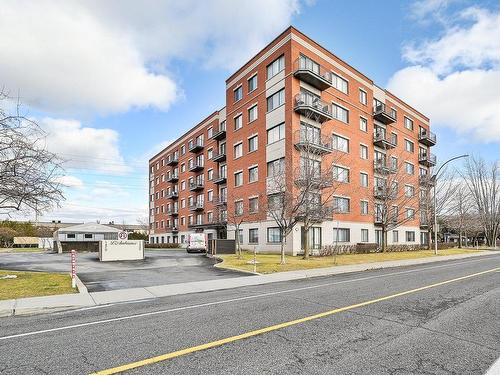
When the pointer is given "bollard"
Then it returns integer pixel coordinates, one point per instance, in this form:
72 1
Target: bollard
73 268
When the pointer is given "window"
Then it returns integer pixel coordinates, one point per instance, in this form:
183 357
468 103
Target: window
238 208
409 146
210 217
252 113
363 152
408 123
342 235
253 205
238 93
341 205
88 235
409 191
238 150
364 207
71 235
394 139
363 124
183 167
253 143
410 213
276 133
252 83
340 174
210 132
253 174
410 168
410 236
183 185
340 113
210 153
364 235
238 122
275 100
238 179
340 143
183 149
362 97
340 83
395 236
276 167
210 195
253 235
210 174
274 235
276 66
363 179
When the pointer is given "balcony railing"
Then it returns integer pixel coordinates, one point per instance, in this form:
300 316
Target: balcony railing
194 186
383 114
173 178
196 146
312 143
316 75
380 139
220 133
427 159
172 228
220 178
383 192
197 206
173 160
195 167
219 156
173 211
220 200
312 107
426 180
172 195
382 167
427 138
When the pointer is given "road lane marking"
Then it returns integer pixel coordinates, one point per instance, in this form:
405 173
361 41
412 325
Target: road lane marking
227 340
220 302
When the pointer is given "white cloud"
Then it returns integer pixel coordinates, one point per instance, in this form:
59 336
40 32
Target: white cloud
424 8
455 78
84 147
70 181
110 56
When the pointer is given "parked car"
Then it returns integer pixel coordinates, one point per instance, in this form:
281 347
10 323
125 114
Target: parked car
196 243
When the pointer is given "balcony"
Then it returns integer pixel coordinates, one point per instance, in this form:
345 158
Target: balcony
197 206
220 200
314 144
312 73
195 186
219 134
219 156
195 167
378 219
172 228
382 192
425 180
172 161
173 211
195 146
427 159
381 140
312 107
173 178
424 223
220 179
383 114
427 138
172 195
382 167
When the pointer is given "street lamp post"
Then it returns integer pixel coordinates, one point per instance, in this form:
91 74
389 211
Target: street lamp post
434 179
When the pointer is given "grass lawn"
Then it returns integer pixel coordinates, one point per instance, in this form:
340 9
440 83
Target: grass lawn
269 263
34 284
21 250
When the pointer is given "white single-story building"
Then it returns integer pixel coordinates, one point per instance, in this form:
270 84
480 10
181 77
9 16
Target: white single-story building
84 237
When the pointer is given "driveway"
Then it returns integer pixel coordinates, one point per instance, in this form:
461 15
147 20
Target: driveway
160 267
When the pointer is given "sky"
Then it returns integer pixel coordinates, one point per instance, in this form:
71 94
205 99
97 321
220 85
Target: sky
112 83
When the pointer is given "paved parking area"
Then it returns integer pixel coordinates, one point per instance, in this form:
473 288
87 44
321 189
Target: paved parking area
159 268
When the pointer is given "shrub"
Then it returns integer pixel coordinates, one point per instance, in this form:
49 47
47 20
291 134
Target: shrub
7 236
162 245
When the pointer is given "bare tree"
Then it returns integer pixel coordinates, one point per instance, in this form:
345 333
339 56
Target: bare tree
483 182
235 218
461 211
303 192
28 172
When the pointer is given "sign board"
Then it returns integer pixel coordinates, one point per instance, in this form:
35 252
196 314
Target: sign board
123 235
111 250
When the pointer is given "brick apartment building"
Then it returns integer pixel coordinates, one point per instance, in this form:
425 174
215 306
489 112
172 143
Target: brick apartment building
292 86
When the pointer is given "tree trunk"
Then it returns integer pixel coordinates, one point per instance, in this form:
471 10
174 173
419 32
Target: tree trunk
460 238
282 251
384 240
306 243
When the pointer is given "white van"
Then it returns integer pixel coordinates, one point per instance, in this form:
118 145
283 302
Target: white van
196 243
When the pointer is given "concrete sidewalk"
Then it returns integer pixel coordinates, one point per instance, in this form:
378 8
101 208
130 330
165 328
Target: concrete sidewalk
33 305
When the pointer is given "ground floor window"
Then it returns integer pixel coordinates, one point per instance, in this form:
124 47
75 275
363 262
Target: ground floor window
183 238
378 237
253 235
424 238
410 236
395 236
162 239
342 235
364 235
314 238
274 235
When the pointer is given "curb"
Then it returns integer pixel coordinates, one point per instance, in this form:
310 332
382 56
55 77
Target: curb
37 305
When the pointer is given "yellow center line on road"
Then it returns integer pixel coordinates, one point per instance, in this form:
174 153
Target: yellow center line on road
213 344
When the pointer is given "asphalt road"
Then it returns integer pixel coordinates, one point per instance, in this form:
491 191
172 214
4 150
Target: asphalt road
160 267
434 328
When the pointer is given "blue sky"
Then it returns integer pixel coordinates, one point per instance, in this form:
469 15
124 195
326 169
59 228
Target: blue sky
115 85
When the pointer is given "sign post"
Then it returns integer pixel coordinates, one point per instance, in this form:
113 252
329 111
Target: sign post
73 268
